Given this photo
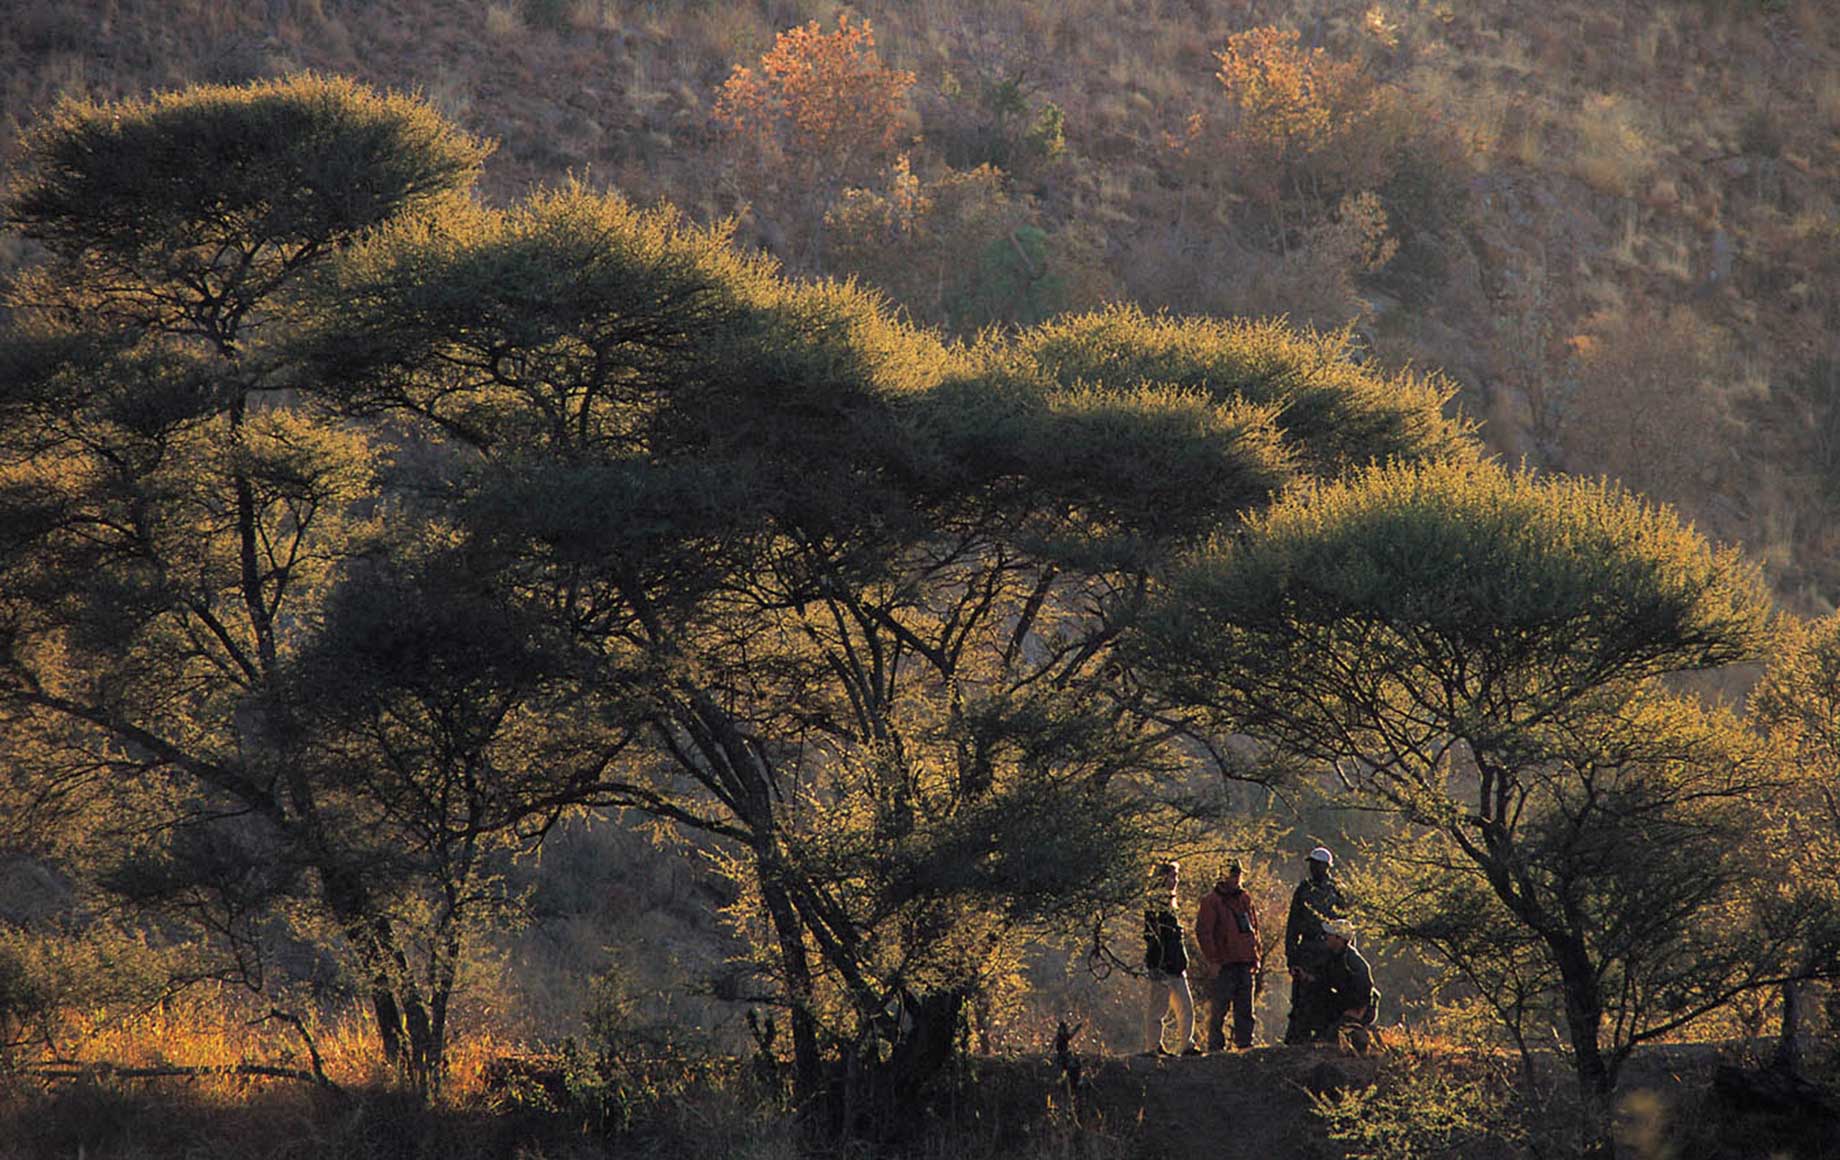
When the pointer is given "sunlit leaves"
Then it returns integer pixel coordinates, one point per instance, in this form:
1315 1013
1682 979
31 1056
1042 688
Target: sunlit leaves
1455 596
1334 413
822 104
184 210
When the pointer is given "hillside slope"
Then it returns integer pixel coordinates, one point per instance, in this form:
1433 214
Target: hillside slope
1643 280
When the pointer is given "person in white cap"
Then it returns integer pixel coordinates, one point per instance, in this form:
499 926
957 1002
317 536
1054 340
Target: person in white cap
1316 899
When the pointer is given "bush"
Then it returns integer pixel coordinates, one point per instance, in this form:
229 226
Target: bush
53 985
1423 1104
821 108
959 250
1305 131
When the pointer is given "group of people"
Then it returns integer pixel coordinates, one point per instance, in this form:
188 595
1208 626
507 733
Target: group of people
1332 985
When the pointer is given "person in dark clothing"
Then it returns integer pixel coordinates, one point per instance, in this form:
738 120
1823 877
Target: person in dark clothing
1227 931
1166 966
1317 899
1349 998
1348 980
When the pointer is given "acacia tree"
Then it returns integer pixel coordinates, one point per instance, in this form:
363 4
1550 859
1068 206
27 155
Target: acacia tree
1478 652
1798 702
857 592
174 526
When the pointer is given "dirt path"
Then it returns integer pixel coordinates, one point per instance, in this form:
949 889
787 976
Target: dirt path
1253 1104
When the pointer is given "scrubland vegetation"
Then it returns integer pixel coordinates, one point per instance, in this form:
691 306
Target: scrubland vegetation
660 593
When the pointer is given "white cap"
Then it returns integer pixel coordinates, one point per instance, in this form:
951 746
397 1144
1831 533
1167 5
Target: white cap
1321 854
1339 927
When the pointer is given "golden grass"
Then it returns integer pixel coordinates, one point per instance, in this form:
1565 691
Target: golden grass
223 1027
1615 150
503 20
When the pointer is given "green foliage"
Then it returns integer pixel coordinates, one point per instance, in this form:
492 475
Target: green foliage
295 166
1012 279
1480 653
1144 469
1334 413
1423 1105
958 249
1047 135
1523 594
996 120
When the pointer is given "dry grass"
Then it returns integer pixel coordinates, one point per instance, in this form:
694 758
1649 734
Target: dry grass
688 1108
225 1027
503 21
1616 151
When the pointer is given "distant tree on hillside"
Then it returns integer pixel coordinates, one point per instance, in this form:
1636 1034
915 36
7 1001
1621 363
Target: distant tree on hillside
818 112
1304 136
959 249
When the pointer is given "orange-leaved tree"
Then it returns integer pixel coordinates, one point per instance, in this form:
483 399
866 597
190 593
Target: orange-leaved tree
1300 119
818 101
820 111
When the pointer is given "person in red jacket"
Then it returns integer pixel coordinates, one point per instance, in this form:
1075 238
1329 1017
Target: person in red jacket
1227 931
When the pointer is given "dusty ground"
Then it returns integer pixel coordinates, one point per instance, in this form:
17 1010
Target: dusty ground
1253 1104
1256 1104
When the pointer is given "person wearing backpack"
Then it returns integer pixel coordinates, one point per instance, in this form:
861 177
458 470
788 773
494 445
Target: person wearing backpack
1166 966
1317 899
1227 932
1350 999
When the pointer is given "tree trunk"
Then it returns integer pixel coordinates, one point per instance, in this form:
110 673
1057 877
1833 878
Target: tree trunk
1584 1017
389 1020
414 1044
1788 1056
807 1064
923 1042
927 1045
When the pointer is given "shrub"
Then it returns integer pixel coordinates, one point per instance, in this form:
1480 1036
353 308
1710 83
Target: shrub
959 250
1423 1105
820 109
